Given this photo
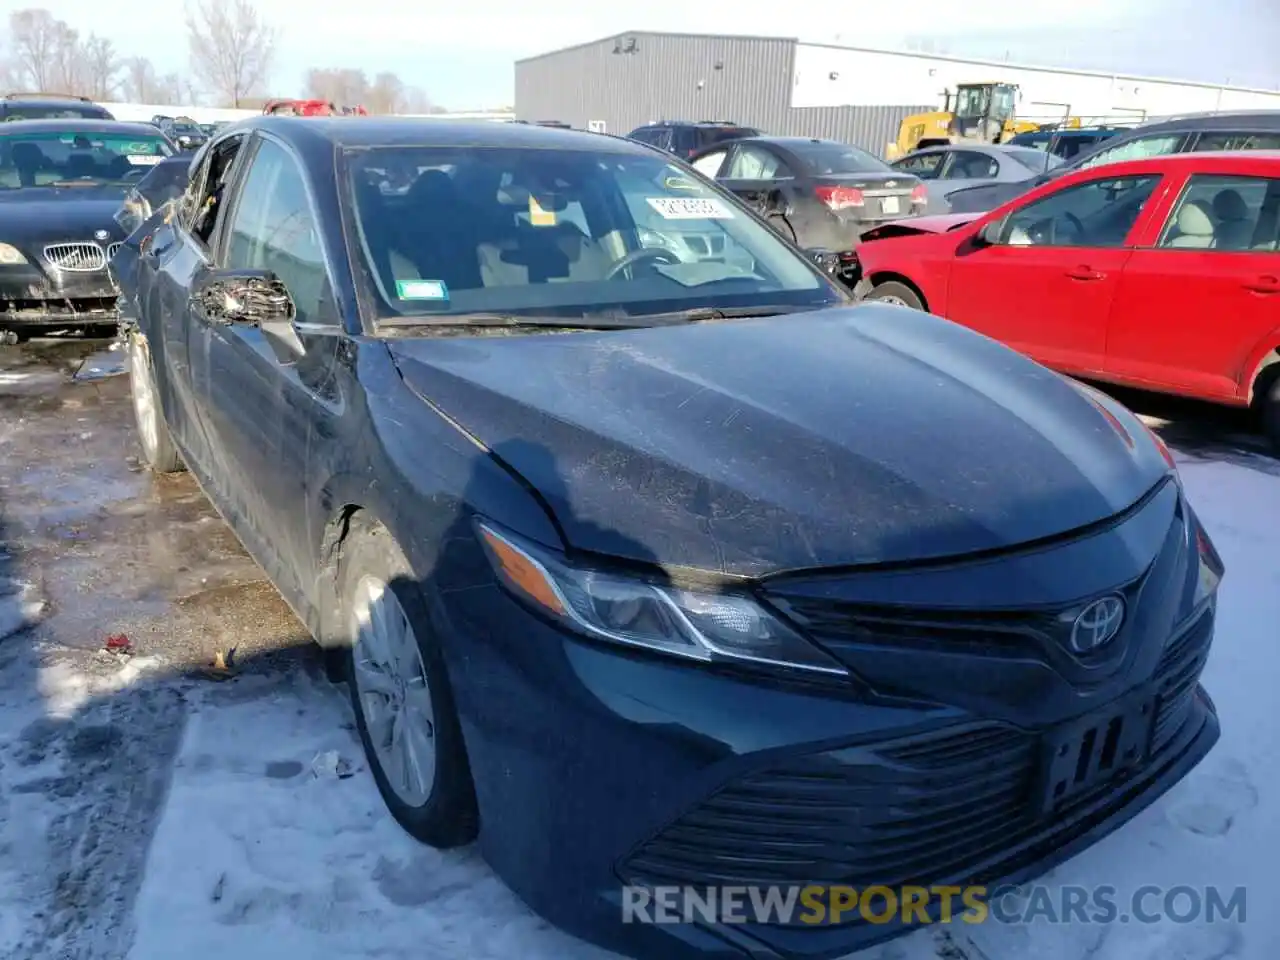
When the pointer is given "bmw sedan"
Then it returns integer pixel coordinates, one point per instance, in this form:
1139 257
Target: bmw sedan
650 565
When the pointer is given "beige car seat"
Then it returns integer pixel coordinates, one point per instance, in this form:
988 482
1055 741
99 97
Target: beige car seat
1193 227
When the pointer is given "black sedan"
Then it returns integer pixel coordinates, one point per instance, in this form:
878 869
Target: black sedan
654 567
820 194
61 184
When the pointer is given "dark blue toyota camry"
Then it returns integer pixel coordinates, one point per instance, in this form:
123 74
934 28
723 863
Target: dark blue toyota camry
652 562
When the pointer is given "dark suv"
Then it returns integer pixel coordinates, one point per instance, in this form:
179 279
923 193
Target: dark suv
50 106
1200 132
687 138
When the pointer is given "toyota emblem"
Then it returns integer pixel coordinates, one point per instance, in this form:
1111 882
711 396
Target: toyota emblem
890 184
1097 624
101 235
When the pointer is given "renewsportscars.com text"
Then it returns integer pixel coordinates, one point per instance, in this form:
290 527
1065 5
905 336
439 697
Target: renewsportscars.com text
820 904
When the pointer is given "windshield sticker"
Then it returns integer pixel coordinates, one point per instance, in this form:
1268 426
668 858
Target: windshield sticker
681 183
144 160
539 217
689 208
421 290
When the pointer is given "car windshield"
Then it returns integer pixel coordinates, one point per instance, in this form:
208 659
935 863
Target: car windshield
185 129
563 233
837 159
73 158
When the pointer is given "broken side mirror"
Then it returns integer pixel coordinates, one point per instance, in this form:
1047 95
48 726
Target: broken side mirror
251 298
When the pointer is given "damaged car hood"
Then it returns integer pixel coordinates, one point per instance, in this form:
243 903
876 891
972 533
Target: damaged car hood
846 436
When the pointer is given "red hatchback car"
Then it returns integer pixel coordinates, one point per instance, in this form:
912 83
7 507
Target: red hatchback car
1161 273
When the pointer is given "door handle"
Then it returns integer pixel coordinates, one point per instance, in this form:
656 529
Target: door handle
1265 284
1086 273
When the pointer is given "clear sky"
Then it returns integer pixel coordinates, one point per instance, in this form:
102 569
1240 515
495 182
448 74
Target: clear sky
462 53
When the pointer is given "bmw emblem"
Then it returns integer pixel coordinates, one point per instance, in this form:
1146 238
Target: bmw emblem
1097 624
101 235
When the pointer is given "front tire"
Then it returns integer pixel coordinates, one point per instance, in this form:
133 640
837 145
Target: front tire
899 293
158 449
401 695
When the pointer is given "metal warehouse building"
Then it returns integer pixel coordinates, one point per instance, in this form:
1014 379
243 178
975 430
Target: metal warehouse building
784 86
619 83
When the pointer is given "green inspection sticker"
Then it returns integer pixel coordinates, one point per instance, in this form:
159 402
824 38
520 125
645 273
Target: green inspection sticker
421 290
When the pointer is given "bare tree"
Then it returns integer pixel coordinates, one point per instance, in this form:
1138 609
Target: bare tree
231 47
340 85
34 37
139 83
346 86
68 73
101 68
9 78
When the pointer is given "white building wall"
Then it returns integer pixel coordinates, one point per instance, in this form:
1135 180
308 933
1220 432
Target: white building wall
835 76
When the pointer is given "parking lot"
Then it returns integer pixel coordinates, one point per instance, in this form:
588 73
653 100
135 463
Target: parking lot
185 812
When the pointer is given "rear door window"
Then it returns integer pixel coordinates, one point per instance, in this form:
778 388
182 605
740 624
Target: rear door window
1157 145
1237 141
754 162
926 166
970 165
1225 213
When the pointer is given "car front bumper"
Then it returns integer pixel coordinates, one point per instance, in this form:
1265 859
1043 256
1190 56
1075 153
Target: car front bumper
29 297
597 768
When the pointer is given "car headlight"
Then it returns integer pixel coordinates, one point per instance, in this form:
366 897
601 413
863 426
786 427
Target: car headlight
637 612
1211 567
10 255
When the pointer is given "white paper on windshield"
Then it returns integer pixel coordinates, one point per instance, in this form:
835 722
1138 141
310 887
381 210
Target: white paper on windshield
139 160
690 208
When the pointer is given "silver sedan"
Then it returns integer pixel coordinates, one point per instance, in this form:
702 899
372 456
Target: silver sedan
947 169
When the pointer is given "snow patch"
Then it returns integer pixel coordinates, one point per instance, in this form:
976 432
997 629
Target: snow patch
260 858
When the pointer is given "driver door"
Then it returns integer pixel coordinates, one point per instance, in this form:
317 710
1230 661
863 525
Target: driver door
1045 287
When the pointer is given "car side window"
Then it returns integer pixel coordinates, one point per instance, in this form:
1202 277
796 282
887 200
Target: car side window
968 165
752 162
709 164
202 207
1237 141
274 228
926 166
1137 149
662 139
1225 213
1099 213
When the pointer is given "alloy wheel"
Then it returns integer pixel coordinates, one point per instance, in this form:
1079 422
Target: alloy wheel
392 691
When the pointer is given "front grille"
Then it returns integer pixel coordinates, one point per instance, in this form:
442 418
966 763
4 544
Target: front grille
76 257
1179 673
114 248
919 810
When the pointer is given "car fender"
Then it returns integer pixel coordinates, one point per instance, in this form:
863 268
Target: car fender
1265 354
922 261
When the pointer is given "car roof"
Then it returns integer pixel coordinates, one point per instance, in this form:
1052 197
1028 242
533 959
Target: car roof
307 133
694 123
1220 161
27 100
77 125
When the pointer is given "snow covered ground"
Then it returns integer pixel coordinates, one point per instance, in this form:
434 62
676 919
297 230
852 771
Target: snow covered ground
262 851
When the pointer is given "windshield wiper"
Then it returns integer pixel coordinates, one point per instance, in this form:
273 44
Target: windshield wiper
592 322
599 320
698 314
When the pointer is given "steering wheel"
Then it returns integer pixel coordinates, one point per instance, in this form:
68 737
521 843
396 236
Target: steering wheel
137 173
639 256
